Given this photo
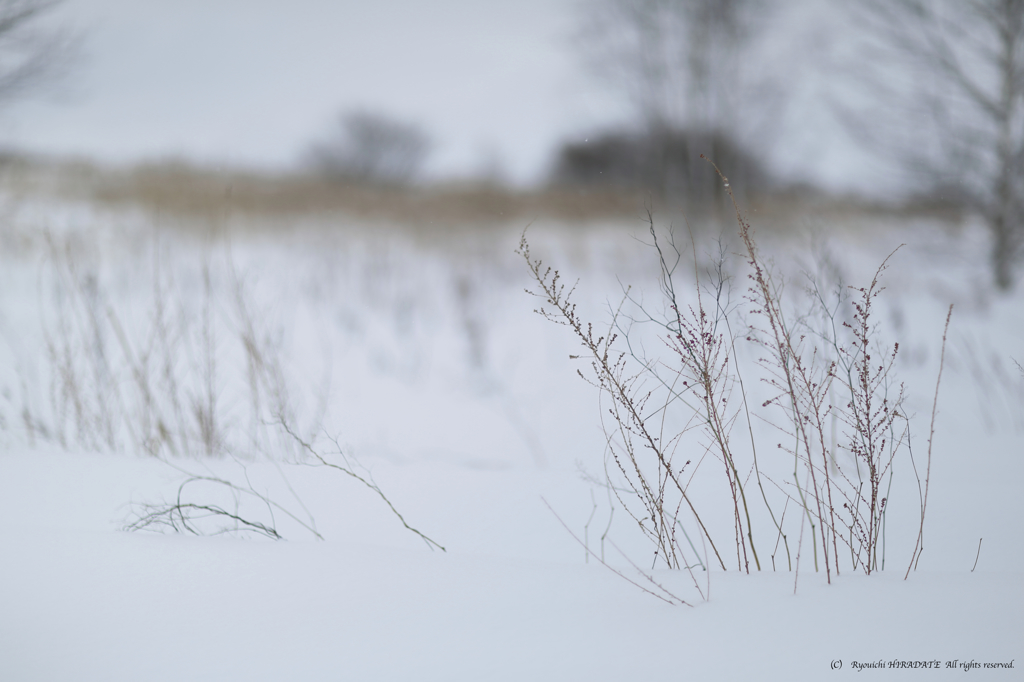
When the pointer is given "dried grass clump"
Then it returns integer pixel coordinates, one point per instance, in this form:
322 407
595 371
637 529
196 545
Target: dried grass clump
816 388
198 381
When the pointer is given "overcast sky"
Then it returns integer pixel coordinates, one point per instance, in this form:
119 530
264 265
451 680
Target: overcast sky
252 82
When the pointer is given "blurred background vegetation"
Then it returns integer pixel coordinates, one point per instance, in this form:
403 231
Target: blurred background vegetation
474 113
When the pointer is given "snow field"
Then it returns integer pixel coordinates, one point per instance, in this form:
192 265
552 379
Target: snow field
422 355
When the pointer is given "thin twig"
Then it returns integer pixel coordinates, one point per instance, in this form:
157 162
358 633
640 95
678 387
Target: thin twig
669 599
915 557
369 484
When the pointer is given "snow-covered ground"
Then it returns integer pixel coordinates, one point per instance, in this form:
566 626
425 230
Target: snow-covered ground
419 354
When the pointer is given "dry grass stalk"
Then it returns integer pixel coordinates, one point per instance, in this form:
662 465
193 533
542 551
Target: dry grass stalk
915 556
632 434
349 470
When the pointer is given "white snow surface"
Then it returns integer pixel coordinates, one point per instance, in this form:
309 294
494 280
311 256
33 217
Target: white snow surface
422 355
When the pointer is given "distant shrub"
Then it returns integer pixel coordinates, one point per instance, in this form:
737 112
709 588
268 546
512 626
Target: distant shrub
666 162
371 147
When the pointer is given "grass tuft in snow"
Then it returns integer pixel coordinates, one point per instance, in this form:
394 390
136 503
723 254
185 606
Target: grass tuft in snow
810 379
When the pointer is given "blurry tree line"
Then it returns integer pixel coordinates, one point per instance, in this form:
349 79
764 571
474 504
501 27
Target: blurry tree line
935 89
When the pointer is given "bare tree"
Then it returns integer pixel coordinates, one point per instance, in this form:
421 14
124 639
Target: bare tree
950 76
675 58
370 147
28 53
678 62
